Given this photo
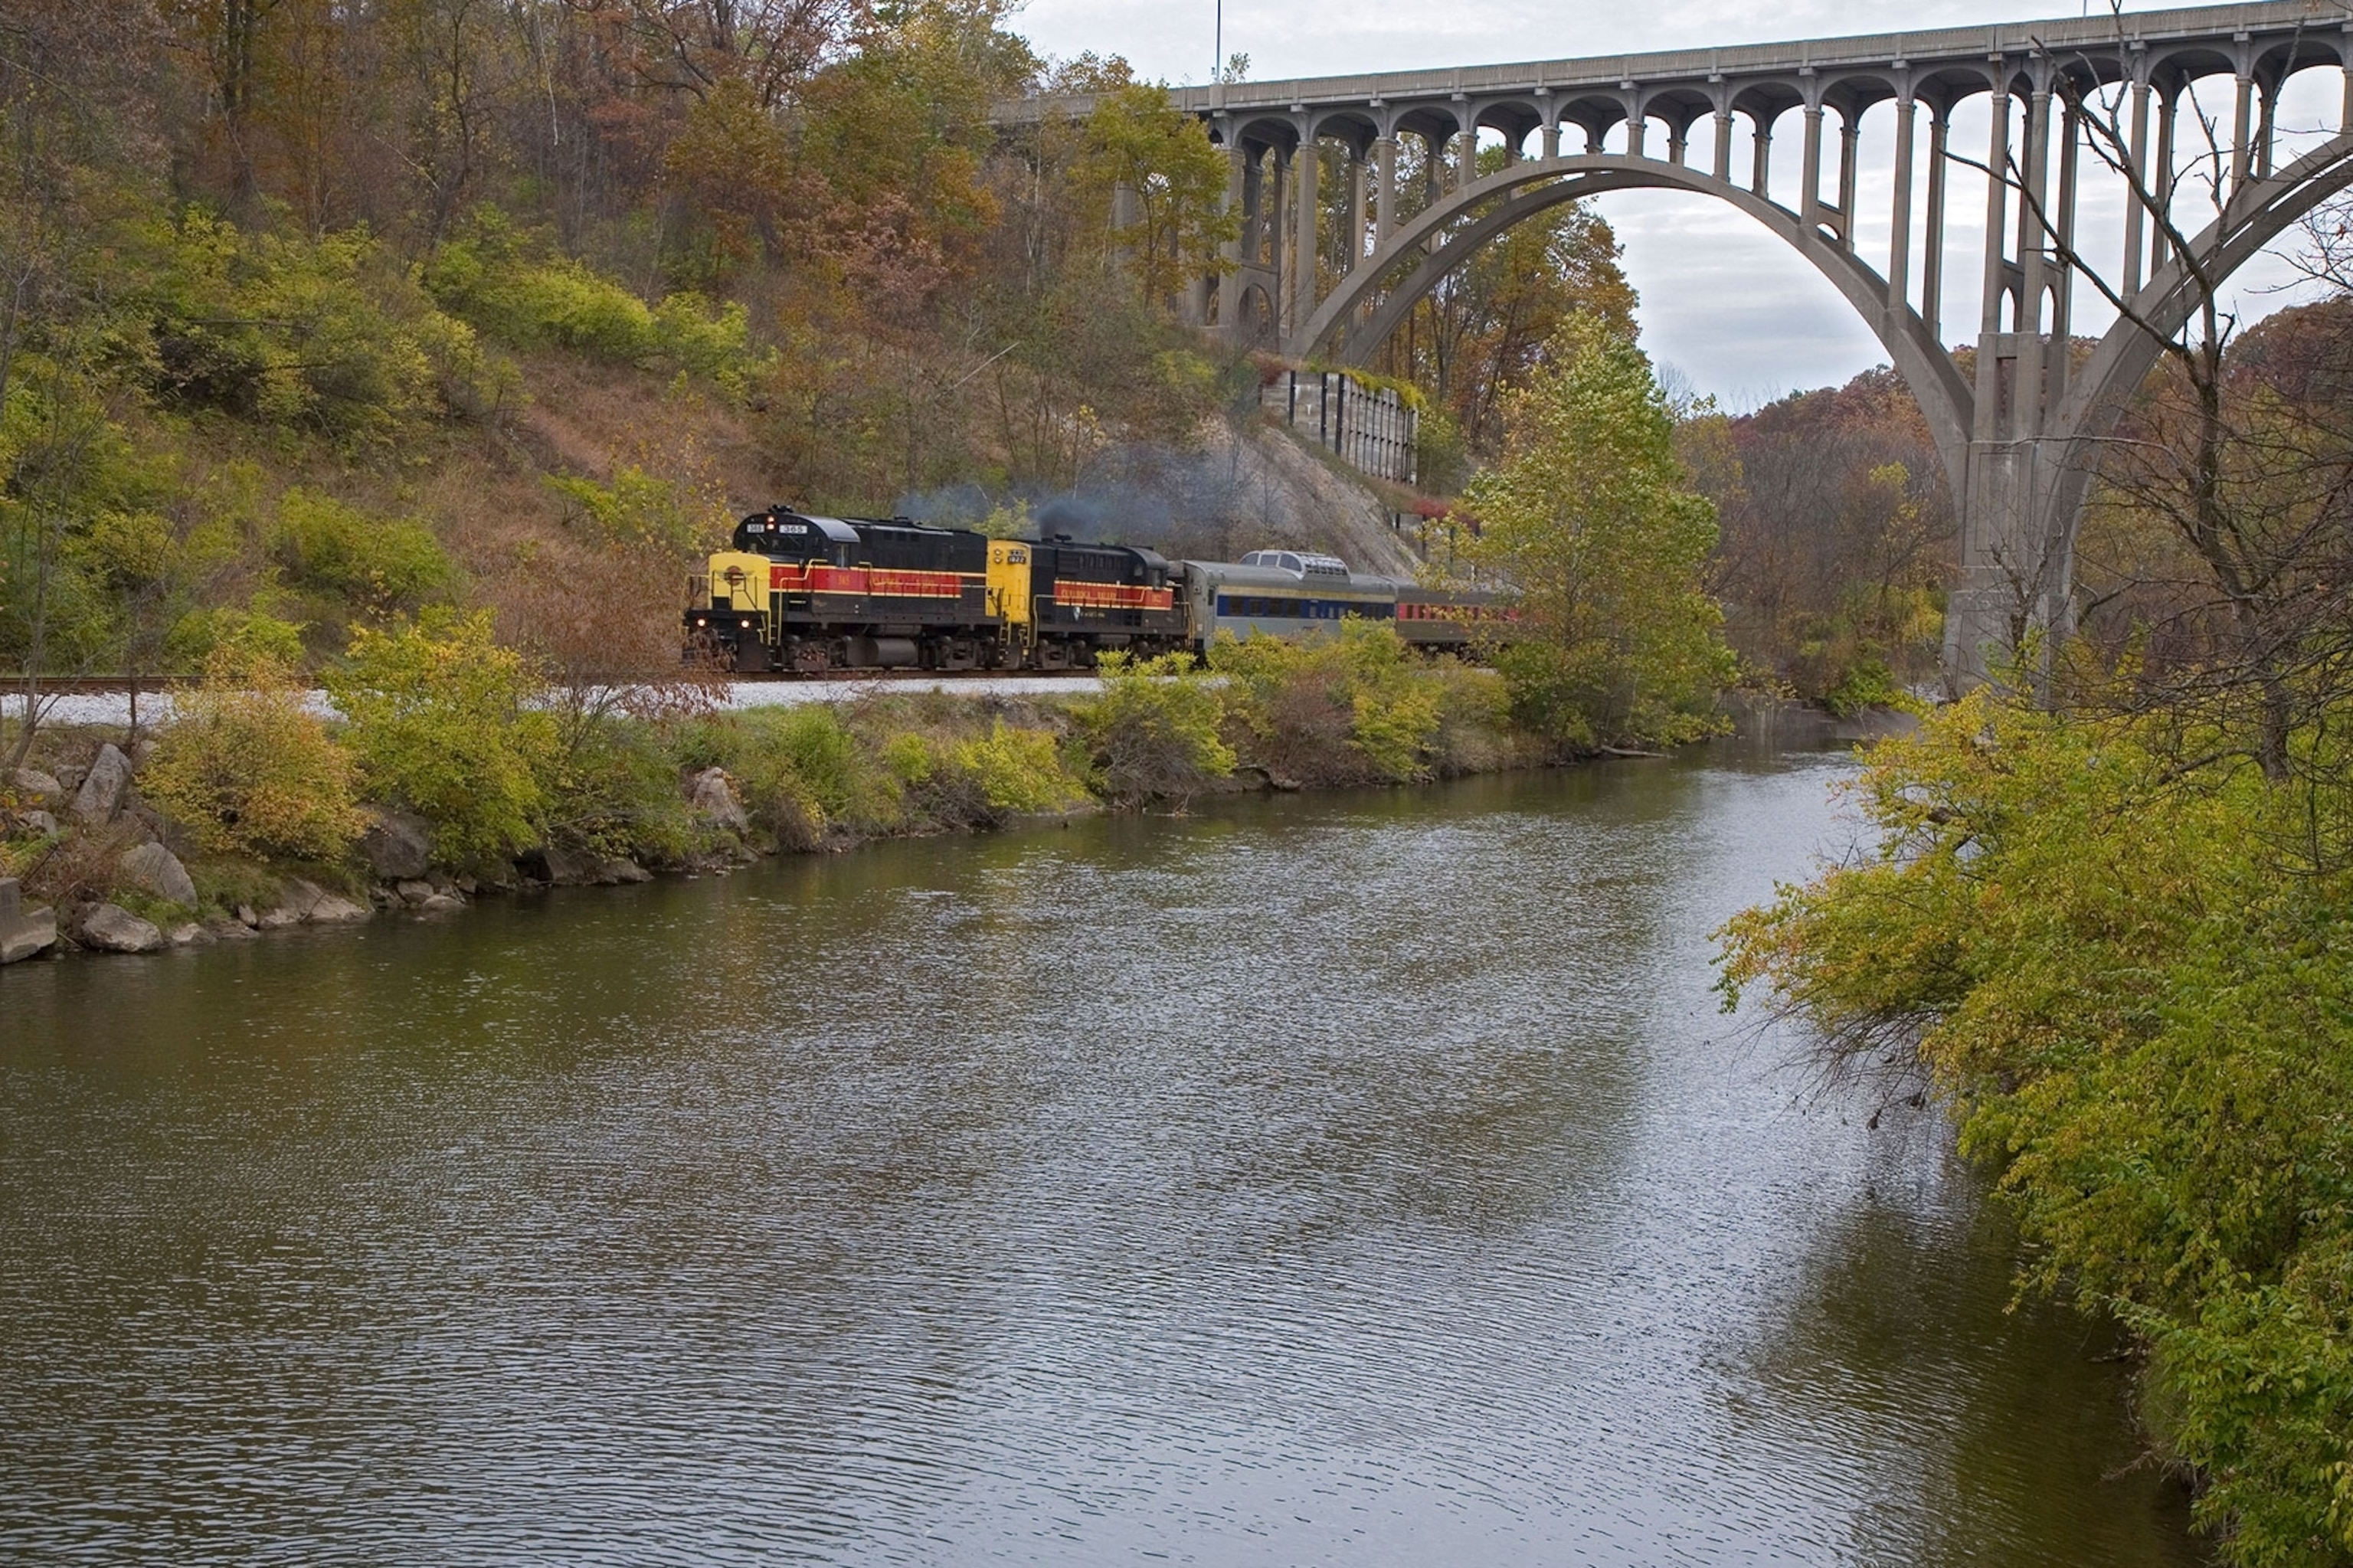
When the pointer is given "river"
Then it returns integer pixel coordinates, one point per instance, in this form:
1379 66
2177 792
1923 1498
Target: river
1363 1180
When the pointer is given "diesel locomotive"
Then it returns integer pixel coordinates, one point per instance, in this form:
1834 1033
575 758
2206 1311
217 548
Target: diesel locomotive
805 593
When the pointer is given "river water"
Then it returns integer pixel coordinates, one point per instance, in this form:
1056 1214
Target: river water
1366 1179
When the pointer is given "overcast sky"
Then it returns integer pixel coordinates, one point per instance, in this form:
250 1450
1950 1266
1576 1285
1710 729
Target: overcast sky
1731 307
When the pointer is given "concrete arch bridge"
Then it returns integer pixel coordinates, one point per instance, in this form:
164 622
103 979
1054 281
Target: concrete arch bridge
2184 114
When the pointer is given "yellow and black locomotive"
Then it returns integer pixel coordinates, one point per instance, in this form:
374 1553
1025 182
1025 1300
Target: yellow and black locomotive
805 593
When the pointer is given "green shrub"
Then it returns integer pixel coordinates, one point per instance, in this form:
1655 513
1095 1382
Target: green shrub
437 716
322 334
1357 707
248 770
196 636
506 282
615 792
1020 770
1152 731
381 566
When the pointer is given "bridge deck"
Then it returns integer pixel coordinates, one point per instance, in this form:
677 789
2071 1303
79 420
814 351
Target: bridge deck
1921 50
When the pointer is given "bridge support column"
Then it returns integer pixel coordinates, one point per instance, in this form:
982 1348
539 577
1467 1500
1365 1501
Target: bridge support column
1932 246
2015 575
1298 301
1552 134
2135 197
1899 228
1850 134
1241 180
1354 252
1809 173
1384 190
1723 168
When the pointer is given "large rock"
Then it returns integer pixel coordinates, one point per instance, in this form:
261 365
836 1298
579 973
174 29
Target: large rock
110 928
34 825
334 909
300 898
23 932
159 870
620 869
34 782
100 794
712 796
399 846
558 866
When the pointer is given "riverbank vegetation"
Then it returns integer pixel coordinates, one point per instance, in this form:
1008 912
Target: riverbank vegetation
2108 918
453 763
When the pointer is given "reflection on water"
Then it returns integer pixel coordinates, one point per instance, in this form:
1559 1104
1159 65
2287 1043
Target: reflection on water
1362 1180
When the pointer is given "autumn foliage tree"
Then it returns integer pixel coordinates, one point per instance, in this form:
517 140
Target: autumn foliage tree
1591 517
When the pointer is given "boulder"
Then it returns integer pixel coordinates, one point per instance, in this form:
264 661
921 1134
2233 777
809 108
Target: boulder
23 932
189 934
159 872
334 909
277 919
399 846
35 824
34 782
70 778
101 795
712 796
414 892
619 870
110 928
558 866
300 896
440 903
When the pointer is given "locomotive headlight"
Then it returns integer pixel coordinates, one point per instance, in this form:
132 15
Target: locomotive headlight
701 620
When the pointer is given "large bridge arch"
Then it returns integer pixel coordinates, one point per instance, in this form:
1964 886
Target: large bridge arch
1359 315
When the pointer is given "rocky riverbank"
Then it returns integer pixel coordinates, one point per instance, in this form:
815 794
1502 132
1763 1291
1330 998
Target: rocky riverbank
249 813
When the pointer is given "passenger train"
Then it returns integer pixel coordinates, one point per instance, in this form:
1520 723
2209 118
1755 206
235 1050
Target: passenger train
796 592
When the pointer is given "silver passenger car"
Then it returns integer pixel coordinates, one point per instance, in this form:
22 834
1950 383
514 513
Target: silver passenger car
1296 593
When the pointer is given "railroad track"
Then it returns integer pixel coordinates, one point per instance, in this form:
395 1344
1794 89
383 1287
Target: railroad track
121 685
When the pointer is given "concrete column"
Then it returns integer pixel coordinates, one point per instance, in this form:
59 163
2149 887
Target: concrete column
1722 169
1932 248
1997 233
1761 171
1305 165
1552 130
1899 228
1638 136
1849 134
1278 165
1354 252
1810 179
1675 143
1433 172
2241 133
2035 226
1229 286
2160 249
1384 190
2137 198
2268 100
1466 158
2063 280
